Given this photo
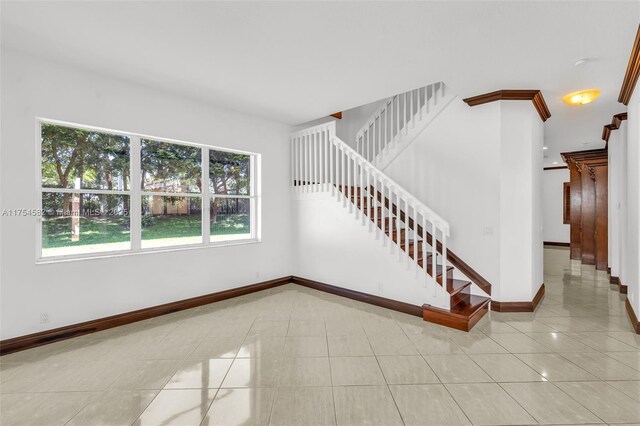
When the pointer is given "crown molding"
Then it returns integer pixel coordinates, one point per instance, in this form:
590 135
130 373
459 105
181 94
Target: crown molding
616 121
632 73
579 157
535 96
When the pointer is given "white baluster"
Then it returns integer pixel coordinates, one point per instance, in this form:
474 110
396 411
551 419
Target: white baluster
392 224
429 90
323 161
382 132
382 212
300 161
411 109
293 162
446 300
424 249
398 240
416 244
390 125
348 159
362 193
434 245
332 178
406 230
435 94
309 165
390 218
358 184
310 170
376 214
369 206
304 162
397 135
343 187
327 161
316 161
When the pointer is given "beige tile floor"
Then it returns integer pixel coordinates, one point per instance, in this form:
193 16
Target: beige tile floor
294 356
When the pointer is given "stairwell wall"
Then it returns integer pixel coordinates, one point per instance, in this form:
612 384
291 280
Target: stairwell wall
334 247
453 167
630 225
481 169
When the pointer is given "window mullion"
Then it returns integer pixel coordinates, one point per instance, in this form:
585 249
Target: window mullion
135 203
39 220
206 227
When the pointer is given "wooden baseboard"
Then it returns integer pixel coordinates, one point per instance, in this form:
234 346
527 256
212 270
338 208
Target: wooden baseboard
632 316
57 334
394 305
556 244
616 281
519 306
622 288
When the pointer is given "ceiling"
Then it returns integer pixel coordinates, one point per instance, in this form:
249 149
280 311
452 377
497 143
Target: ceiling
296 61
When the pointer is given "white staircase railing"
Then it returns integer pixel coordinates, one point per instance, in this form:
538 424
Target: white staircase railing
394 118
321 162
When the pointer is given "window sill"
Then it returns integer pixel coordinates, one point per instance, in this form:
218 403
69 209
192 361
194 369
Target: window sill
124 253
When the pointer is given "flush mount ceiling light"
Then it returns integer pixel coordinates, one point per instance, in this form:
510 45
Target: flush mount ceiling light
545 148
581 97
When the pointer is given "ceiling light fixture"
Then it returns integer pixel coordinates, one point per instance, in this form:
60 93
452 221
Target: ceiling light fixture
581 97
545 147
580 62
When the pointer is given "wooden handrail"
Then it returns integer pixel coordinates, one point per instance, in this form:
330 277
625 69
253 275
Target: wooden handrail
453 258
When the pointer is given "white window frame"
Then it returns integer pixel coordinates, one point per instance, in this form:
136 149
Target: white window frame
136 193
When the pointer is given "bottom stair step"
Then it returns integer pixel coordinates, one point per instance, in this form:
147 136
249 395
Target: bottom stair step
463 316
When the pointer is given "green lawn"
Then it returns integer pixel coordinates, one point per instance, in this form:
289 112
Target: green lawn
56 232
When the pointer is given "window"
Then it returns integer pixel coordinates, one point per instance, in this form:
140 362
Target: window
115 192
85 191
231 202
169 170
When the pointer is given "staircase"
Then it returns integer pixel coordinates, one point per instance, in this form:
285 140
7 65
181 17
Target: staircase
321 162
398 121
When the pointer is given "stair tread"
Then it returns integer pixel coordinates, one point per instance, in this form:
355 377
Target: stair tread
470 305
455 286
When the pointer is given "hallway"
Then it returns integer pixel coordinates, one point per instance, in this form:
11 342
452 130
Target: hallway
291 355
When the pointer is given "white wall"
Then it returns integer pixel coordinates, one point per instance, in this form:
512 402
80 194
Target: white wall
617 195
630 231
553 230
334 247
452 167
480 169
521 249
352 120
77 291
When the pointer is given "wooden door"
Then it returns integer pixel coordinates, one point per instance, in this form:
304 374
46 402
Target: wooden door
602 216
588 217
